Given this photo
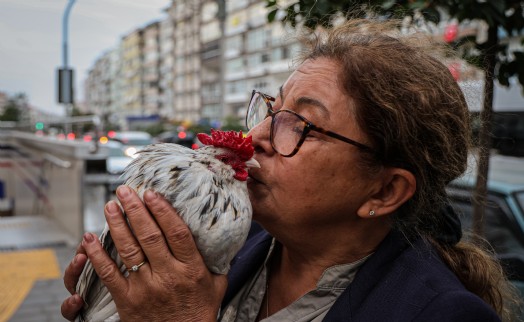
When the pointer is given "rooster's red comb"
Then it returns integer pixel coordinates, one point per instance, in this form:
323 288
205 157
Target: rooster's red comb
231 140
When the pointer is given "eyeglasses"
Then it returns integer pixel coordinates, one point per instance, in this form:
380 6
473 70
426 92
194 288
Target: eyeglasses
288 129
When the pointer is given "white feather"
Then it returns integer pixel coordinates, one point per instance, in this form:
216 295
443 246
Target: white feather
214 205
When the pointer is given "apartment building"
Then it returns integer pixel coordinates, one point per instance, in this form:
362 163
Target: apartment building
211 71
151 69
186 21
132 73
98 85
166 69
115 108
195 65
256 55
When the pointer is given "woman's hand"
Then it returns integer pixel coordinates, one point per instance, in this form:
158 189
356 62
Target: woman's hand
174 284
72 305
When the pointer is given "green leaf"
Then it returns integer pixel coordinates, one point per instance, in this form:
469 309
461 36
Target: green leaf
271 15
502 74
271 3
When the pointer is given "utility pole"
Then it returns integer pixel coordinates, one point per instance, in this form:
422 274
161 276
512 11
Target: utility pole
65 74
222 68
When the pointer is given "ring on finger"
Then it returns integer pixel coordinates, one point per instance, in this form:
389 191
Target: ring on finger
135 268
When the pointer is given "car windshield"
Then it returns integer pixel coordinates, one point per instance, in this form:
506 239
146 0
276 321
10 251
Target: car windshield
519 196
133 141
116 152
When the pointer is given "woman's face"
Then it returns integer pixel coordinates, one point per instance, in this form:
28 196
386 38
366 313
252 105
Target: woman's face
321 185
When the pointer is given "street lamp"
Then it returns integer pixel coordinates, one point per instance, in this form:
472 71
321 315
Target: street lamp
65 74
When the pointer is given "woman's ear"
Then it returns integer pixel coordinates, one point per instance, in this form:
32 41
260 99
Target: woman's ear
395 188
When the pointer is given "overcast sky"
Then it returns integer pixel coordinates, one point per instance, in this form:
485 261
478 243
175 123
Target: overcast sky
31 41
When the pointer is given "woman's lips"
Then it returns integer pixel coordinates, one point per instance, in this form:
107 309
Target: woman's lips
252 179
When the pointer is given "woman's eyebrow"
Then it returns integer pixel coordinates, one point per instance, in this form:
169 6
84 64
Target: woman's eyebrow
305 100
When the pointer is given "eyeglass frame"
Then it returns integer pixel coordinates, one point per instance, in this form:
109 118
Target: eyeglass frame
308 127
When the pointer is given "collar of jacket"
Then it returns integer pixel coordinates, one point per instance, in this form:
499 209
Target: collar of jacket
252 255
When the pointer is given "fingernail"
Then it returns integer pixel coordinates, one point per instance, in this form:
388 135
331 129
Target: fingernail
88 237
123 191
150 195
111 207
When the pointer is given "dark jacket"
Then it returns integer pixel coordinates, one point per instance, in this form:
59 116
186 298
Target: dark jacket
401 281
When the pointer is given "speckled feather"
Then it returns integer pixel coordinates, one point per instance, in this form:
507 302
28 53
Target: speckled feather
214 205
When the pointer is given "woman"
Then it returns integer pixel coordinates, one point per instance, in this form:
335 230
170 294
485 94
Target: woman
355 153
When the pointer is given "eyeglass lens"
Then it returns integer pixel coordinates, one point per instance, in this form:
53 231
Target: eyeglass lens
287 130
257 110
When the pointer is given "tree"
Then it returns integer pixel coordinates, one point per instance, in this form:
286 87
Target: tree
232 123
11 112
493 56
15 109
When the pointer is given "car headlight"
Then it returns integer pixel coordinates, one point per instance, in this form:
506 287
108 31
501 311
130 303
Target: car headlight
131 152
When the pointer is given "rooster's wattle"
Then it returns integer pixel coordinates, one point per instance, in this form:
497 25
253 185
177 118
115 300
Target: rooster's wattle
208 188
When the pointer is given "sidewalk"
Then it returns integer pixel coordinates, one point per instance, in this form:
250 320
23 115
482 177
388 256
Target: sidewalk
42 302
34 252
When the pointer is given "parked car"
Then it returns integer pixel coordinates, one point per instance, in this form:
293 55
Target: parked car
133 141
504 210
117 159
185 138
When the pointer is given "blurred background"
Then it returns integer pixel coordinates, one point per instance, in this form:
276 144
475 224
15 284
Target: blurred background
86 84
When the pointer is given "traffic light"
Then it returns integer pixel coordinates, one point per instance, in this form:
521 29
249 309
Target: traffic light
39 126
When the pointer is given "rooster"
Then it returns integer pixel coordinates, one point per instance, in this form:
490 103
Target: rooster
208 188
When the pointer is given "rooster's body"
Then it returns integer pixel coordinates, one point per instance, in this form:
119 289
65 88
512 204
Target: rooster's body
206 186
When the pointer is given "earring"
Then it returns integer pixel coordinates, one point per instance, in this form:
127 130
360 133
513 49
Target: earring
372 212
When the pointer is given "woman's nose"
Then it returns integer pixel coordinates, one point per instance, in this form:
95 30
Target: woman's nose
260 136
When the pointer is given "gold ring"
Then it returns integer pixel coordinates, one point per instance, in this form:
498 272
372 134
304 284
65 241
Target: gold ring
135 268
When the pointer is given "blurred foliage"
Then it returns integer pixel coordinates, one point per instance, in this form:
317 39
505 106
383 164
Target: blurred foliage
233 123
200 128
11 113
82 127
505 17
155 129
16 108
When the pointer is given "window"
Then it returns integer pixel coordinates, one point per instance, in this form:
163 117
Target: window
257 39
209 11
265 57
500 228
235 65
237 4
234 43
210 31
236 87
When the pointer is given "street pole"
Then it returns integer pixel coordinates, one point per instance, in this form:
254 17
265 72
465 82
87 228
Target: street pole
222 44
66 82
65 32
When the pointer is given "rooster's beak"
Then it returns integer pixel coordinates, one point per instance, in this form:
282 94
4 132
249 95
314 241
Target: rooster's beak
252 163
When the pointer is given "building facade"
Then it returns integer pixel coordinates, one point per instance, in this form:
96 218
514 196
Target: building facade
198 64
132 73
151 69
166 69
